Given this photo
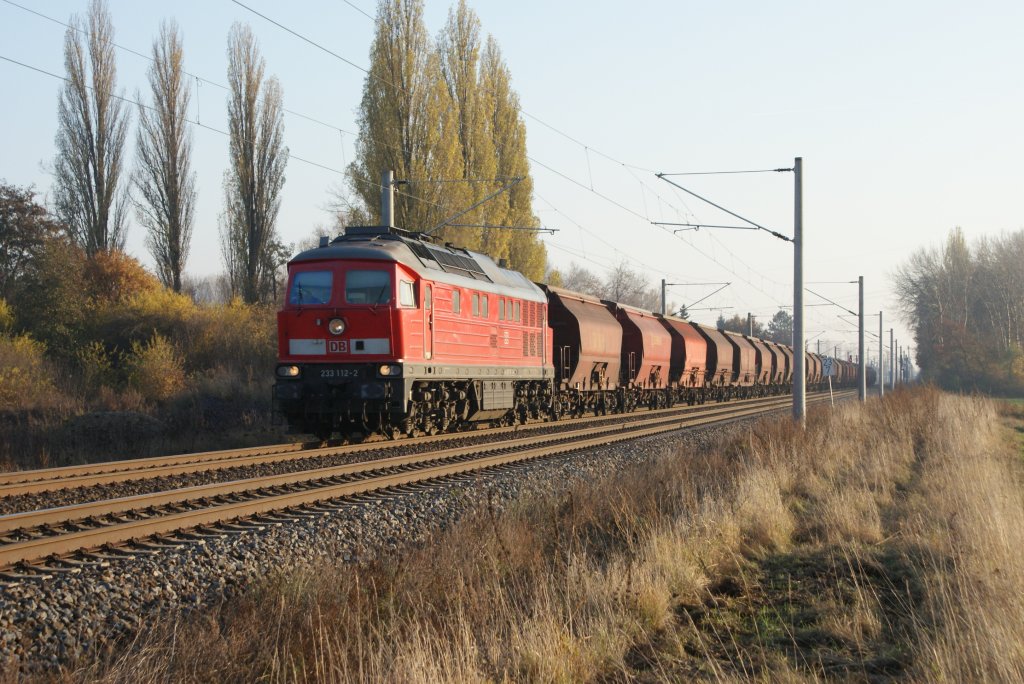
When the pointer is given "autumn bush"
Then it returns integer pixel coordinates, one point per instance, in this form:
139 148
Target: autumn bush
156 369
122 343
26 379
6 316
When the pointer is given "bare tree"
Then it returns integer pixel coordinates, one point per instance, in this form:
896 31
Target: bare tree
966 308
579 279
622 285
93 125
254 180
164 182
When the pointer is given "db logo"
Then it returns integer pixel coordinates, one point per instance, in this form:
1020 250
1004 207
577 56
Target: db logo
337 346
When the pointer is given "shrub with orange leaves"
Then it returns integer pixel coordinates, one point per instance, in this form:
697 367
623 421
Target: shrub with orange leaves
113 277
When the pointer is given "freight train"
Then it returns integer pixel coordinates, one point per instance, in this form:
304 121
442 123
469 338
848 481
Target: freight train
386 331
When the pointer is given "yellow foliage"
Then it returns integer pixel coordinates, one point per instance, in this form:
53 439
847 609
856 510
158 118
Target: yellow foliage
94 364
6 316
115 276
235 335
25 378
168 306
155 369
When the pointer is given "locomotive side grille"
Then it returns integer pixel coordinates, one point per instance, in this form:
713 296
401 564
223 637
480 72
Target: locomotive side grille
494 341
458 263
422 251
533 344
449 261
526 344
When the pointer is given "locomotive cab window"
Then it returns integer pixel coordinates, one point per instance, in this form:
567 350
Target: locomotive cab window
367 287
311 287
485 307
501 309
517 311
476 304
456 301
406 297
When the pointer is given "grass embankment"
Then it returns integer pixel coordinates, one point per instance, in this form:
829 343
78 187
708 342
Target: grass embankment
883 542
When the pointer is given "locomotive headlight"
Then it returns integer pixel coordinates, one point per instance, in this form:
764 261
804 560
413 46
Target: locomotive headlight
389 370
336 326
288 371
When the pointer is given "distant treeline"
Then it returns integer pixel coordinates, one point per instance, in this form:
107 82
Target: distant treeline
966 307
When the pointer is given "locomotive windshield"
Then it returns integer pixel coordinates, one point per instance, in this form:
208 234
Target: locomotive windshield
311 287
367 287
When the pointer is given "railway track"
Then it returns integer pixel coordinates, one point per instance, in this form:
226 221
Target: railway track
18 483
94 532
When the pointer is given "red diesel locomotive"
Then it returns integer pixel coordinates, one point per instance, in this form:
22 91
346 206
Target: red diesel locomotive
384 331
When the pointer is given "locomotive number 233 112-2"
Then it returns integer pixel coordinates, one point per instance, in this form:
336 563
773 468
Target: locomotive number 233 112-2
339 373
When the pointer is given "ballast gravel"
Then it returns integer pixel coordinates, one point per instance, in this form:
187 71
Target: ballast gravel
45 624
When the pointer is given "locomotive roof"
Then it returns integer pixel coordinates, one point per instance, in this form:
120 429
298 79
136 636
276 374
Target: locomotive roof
443 264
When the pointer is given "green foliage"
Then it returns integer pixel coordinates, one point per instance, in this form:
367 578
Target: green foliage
52 301
25 227
780 328
95 366
738 324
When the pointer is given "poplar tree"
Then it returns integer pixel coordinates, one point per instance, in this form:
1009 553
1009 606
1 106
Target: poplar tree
526 252
92 127
444 111
407 123
252 184
165 185
459 47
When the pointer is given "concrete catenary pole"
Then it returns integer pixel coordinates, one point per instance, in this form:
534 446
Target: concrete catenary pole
881 357
892 359
862 384
799 365
387 199
662 296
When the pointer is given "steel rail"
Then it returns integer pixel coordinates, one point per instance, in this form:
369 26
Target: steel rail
217 512
95 509
53 479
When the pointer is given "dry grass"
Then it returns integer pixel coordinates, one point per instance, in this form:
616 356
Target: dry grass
882 542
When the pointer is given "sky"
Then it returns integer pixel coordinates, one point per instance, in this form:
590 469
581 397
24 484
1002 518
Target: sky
907 116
